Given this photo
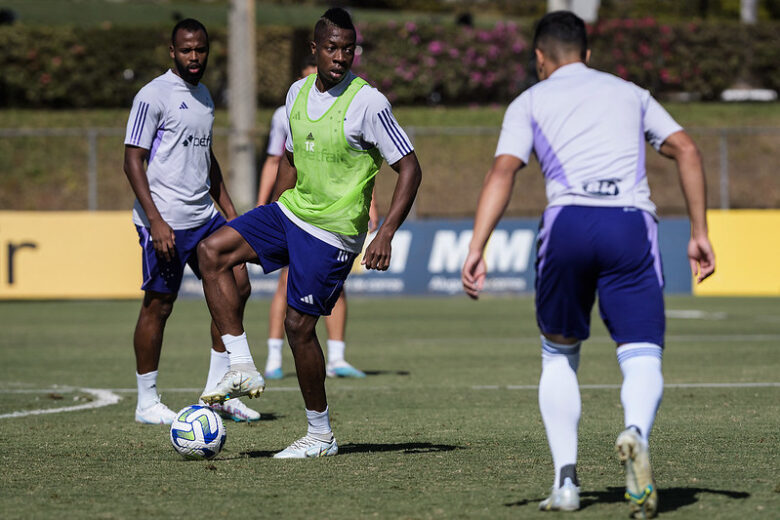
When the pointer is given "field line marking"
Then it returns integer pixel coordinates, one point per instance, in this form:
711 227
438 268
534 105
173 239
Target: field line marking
616 387
103 397
670 339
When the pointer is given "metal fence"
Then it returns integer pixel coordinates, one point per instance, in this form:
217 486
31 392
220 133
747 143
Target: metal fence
92 134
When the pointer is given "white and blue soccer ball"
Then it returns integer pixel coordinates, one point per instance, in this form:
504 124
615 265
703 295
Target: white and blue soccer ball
197 432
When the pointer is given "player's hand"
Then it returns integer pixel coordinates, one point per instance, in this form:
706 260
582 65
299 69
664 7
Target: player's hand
702 258
163 240
473 274
377 255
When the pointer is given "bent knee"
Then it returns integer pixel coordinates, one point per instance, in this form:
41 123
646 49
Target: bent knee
298 326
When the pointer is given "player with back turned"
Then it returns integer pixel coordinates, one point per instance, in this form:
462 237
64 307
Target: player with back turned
170 129
598 235
340 130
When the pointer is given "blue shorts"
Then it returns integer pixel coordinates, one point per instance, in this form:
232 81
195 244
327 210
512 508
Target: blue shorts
165 277
317 270
613 252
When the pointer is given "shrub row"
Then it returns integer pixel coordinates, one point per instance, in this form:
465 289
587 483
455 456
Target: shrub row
57 67
411 64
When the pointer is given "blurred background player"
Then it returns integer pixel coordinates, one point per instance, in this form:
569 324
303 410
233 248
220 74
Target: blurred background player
598 235
170 128
336 323
340 130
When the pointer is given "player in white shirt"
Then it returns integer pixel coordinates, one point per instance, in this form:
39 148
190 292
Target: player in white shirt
340 131
170 129
598 235
336 323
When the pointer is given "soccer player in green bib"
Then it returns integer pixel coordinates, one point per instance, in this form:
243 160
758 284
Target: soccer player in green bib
340 130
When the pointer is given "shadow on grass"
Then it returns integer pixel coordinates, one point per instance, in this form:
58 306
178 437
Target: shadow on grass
386 372
346 449
671 499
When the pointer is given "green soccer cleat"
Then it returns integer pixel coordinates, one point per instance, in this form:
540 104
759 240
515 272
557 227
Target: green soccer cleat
640 485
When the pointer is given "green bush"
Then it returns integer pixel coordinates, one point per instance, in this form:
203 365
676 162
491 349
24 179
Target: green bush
412 64
53 67
58 67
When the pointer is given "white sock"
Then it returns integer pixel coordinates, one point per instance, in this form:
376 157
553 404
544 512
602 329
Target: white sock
238 349
335 351
274 359
147 389
319 424
218 367
559 402
643 384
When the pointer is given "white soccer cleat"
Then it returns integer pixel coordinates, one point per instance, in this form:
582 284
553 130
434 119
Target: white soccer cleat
157 413
640 486
564 498
235 383
309 447
234 409
343 369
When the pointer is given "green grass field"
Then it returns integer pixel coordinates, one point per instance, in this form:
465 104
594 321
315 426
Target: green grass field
445 426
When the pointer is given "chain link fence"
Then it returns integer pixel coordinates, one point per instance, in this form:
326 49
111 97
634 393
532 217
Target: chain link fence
81 169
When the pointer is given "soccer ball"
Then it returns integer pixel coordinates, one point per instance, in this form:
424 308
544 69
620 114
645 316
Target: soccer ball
197 432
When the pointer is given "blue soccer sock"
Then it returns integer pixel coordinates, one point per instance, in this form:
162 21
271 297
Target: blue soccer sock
643 384
560 403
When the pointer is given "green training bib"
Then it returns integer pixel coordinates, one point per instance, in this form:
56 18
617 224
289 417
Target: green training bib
335 180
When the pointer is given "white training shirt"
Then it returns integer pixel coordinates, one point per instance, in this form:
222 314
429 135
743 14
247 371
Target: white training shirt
173 120
368 123
277 136
588 131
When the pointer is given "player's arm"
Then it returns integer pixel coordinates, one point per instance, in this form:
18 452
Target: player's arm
493 200
287 175
373 213
377 255
680 147
162 235
218 190
268 178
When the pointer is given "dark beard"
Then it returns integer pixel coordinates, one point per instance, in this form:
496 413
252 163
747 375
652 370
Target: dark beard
186 75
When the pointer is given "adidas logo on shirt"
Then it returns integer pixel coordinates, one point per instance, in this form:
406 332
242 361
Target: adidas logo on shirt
183 106
308 299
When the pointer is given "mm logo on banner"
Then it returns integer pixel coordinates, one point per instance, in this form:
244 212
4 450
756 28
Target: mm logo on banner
505 253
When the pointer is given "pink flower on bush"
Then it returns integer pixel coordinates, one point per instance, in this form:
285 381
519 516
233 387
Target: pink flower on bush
56 61
665 76
621 71
644 49
453 52
45 79
435 47
411 26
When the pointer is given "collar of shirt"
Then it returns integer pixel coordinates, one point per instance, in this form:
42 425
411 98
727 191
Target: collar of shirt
337 89
569 70
178 79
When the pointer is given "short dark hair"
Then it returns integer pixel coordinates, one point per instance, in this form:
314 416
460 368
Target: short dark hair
333 17
190 25
561 32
